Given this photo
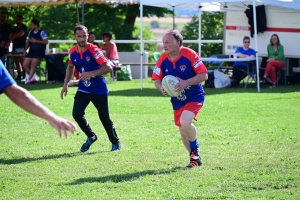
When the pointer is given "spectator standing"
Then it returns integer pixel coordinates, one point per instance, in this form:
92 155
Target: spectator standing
2 45
5 29
18 38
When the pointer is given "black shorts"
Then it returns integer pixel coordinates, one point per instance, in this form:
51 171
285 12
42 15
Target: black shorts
34 53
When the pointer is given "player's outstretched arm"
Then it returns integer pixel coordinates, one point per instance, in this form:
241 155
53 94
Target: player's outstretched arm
26 101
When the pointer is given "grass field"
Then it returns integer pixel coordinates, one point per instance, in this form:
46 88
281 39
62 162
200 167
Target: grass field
250 147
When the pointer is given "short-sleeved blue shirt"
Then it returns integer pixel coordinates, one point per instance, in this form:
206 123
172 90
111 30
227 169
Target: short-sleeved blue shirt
248 52
5 78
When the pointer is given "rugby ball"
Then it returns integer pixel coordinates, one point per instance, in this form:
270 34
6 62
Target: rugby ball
168 83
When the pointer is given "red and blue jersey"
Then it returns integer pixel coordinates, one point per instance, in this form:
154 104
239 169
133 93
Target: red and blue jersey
186 66
89 60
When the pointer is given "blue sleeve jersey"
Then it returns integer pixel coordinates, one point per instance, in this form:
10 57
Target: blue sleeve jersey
89 60
186 66
249 52
5 78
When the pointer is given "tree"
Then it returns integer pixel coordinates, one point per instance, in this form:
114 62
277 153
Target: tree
211 29
59 21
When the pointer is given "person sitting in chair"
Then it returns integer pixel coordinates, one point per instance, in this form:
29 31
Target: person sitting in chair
240 68
275 59
110 51
37 41
92 38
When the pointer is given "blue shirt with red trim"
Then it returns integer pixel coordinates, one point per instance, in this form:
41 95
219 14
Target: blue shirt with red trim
187 65
89 60
5 78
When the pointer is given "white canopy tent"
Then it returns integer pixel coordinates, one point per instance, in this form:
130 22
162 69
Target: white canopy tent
221 5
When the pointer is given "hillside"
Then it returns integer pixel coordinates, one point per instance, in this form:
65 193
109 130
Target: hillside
159 26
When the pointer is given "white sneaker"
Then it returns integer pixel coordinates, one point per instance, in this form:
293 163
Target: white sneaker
26 77
32 81
27 82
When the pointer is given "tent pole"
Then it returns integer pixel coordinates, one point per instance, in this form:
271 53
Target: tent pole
82 12
141 45
199 31
256 49
173 18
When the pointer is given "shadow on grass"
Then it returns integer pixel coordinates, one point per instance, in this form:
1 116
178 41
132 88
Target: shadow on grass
153 92
146 92
40 85
24 160
116 178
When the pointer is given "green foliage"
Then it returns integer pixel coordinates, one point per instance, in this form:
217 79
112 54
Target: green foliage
211 29
147 34
59 21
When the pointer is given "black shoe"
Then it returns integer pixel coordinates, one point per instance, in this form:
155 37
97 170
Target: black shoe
266 80
195 159
234 83
88 143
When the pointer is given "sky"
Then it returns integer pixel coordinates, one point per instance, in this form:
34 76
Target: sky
185 12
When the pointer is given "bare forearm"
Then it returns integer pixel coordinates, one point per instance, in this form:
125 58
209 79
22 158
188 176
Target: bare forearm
247 56
101 71
197 79
105 68
16 35
158 84
26 45
69 74
42 41
26 101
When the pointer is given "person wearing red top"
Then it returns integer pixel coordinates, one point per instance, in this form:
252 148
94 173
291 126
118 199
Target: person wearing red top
110 51
186 65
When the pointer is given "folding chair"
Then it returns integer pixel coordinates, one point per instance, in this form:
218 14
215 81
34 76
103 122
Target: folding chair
278 74
252 74
214 63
